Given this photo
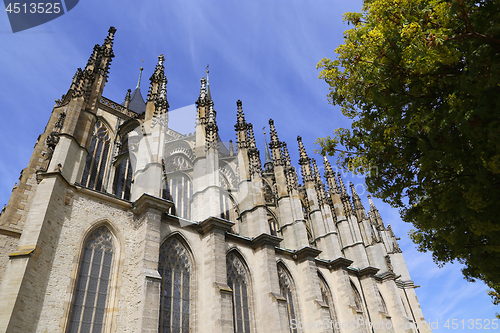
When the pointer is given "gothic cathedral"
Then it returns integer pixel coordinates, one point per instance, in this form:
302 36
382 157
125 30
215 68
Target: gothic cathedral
121 223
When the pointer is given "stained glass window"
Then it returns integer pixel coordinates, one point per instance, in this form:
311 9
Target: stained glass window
175 268
92 285
95 166
286 289
237 280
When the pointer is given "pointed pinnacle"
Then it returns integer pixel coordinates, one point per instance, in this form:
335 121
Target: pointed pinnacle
288 162
159 73
353 191
316 174
240 117
372 205
211 113
275 143
342 187
303 155
251 136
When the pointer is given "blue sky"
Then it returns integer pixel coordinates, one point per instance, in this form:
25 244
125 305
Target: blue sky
262 52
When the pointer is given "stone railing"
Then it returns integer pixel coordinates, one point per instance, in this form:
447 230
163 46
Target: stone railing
115 106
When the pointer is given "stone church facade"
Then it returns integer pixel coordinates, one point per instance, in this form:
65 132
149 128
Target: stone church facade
120 223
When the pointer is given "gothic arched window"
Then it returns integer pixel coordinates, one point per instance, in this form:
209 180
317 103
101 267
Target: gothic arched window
359 306
124 172
384 306
238 281
175 268
327 297
287 291
180 191
95 166
88 309
123 179
273 225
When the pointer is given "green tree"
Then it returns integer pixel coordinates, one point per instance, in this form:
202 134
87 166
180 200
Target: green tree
421 82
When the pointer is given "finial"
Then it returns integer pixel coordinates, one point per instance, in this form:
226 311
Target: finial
231 149
140 75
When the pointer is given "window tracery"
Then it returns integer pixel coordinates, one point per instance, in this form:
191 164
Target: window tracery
238 281
328 299
175 268
95 166
92 285
180 191
287 291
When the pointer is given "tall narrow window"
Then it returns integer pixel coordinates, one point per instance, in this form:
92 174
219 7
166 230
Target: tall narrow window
123 179
92 284
328 299
175 268
359 306
273 225
122 184
95 166
237 280
180 191
286 289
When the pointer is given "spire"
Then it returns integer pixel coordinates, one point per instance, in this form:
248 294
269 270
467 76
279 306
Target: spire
140 76
209 95
268 163
304 162
137 103
358 205
241 127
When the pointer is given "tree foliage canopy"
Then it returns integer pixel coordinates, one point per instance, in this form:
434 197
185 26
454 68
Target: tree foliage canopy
421 82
